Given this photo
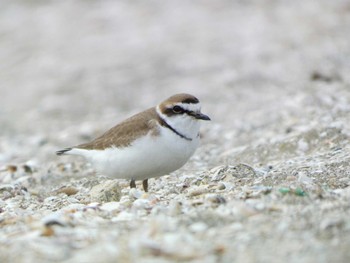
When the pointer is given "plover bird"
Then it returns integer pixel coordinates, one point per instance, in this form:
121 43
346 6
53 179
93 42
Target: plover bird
150 144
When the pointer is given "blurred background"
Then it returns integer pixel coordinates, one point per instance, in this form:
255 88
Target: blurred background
71 69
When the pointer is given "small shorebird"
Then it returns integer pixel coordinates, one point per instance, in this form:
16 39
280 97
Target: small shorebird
149 144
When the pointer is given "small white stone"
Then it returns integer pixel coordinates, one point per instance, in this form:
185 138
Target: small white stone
6 187
135 193
221 186
93 204
197 190
107 191
56 218
198 227
50 199
303 178
175 208
72 200
74 206
303 145
141 204
228 186
110 206
123 216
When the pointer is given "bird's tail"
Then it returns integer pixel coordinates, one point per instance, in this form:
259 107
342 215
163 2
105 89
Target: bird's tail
64 151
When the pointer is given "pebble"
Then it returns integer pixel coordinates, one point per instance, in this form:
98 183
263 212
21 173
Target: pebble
221 186
74 207
256 204
198 227
135 193
243 171
175 208
197 190
328 223
107 191
123 216
110 206
220 172
216 199
56 218
6 187
68 190
47 231
304 179
95 206
72 200
303 145
50 199
141 204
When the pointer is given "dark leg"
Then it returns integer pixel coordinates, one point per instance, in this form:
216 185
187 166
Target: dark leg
132 184
145 185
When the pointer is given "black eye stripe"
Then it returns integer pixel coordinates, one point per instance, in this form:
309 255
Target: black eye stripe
178 110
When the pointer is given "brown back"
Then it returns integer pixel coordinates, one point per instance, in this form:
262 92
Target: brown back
124 133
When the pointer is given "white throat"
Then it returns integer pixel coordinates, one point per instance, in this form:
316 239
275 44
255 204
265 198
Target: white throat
183 124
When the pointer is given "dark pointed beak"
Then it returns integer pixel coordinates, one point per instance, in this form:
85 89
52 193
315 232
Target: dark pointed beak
200 116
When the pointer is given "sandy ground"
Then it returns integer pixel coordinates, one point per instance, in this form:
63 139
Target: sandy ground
271 180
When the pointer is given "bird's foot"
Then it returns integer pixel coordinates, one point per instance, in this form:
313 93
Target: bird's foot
132 183
145 185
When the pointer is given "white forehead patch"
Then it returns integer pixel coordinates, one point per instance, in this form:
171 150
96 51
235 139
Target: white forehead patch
190 106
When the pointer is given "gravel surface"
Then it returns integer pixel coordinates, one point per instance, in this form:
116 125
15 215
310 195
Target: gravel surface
271 180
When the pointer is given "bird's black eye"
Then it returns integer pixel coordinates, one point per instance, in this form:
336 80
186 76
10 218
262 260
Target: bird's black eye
177 109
